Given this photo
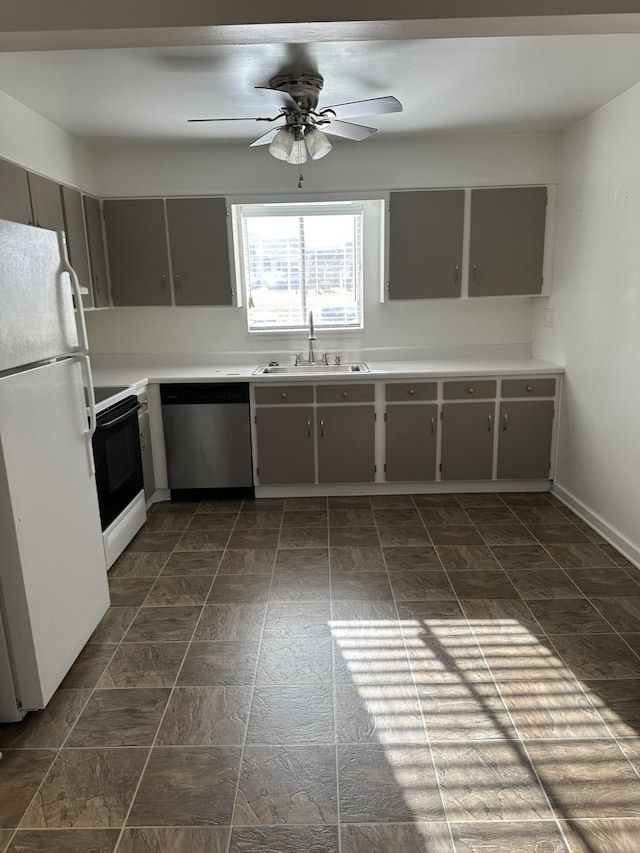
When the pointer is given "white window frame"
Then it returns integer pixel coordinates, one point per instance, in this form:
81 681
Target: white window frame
368 269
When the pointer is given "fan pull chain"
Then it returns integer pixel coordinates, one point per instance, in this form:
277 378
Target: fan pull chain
300 181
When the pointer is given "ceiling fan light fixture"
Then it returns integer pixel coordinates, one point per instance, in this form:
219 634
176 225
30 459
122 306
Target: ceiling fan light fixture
282 145
317 144
299 152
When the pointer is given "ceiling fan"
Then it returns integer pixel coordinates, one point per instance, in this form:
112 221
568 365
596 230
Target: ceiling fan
303 126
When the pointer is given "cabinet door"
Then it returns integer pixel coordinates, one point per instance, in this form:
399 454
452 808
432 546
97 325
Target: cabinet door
285 444
77 239
148 473
411 435
524 450
199 251
467 441
97 259
137 248
346 451
425 244
507 241
15 203
46 201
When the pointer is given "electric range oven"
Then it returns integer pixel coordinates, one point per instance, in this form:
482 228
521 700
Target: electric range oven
118 462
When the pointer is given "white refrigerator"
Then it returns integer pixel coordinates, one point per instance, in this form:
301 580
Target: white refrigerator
53 576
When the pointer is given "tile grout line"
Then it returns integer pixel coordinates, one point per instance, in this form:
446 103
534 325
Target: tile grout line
253 686
333 684
124 827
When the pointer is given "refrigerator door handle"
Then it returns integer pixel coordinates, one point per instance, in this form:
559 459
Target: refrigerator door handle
85 364
83 340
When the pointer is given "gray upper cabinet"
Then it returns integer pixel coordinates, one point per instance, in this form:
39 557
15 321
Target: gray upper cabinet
15 203
199 251
137 248
507 241
467 441
46 202
524 449
77 239
97 259
425 244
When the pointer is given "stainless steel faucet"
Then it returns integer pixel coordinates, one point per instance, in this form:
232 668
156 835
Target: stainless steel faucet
312 337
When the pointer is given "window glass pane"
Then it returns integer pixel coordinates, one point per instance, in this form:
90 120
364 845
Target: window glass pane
309 259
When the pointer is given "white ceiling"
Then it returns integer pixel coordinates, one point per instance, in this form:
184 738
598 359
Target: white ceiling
473 85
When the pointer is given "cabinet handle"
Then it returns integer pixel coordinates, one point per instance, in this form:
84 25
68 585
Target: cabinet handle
456 275
284 395
474 274
529 387
412 391
470 390
308 427
505 422
98 287
490 419
433 425
345 393
178 286
164 283
322 428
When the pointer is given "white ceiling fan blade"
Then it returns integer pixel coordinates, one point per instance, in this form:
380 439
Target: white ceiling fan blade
289 102
348 130
369 107
241 118
266 138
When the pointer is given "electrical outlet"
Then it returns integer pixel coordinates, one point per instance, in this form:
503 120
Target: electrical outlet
548 318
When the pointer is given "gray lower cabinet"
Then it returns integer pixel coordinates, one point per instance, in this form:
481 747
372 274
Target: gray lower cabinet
346 444
507 241
285 445
46 203
148 472
526 430
199 251
410 442
97 257
15 203
137 248
467 441
425 244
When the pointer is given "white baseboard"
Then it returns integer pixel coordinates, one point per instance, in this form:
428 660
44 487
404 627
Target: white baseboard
613 536
322 490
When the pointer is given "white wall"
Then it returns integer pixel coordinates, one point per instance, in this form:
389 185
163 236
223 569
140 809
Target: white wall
596 304
40 146
374 165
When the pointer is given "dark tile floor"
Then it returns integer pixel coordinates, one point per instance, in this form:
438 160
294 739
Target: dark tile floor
447 673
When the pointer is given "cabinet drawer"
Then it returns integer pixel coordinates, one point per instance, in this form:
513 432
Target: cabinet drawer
528 387
470 389
343 393
273 394
410 391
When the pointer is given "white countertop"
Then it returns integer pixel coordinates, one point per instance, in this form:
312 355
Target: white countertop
451 367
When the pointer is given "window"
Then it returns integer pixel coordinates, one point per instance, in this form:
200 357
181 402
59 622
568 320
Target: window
296 258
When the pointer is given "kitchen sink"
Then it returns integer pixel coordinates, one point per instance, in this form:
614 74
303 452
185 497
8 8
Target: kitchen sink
307 369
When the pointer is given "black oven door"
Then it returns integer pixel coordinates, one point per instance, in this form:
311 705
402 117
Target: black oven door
118 459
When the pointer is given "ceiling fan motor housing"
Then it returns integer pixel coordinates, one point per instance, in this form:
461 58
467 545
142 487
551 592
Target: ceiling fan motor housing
303 88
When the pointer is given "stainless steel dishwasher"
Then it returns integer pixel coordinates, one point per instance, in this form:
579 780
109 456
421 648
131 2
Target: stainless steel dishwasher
207 437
